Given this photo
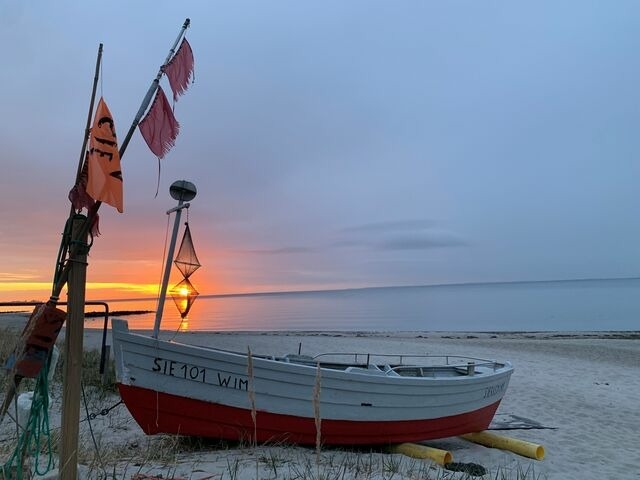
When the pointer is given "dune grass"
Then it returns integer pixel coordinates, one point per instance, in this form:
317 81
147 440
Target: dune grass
178 457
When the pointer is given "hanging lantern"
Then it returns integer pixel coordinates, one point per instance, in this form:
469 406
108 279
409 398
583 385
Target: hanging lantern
184 294
187 260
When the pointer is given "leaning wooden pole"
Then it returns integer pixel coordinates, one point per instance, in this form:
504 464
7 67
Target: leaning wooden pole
73 357
87 128
62 255
75 319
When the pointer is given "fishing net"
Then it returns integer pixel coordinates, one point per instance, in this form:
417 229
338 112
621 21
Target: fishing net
187 260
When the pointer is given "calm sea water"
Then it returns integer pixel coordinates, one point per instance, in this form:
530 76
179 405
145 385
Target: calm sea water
563 305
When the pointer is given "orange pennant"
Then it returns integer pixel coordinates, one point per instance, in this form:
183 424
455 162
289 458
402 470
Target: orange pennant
104 181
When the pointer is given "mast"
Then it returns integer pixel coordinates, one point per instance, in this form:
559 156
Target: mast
87 128
70 421
183 191
64 246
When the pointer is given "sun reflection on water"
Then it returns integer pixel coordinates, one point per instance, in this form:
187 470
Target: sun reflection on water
184 325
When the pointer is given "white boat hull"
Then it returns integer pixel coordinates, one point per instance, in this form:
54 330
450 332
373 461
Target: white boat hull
182 389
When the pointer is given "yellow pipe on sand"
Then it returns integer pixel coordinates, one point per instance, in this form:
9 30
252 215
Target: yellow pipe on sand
414 450
526 449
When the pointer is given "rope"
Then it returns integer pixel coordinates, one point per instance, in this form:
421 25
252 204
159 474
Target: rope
95 443
62 252
175 334
36 431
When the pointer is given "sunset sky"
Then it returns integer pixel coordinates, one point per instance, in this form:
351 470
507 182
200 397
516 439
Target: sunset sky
335 143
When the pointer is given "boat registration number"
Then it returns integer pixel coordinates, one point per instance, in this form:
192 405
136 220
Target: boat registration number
493 390
180 370
195 373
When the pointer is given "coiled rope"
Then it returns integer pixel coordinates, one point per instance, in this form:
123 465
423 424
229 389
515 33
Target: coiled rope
36 434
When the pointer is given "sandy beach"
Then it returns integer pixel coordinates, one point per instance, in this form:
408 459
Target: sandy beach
575 393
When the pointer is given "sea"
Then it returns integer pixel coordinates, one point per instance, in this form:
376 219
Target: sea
568 305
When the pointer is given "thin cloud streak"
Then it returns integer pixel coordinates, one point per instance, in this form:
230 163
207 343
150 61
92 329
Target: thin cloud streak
391 225
8 277
278 251
420 243
397 235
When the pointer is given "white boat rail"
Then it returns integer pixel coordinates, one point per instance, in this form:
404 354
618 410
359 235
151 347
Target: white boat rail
410 360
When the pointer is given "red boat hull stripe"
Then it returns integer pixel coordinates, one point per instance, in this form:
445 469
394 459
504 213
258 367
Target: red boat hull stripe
166 413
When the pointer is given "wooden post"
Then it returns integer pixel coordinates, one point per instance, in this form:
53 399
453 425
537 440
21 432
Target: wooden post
73 356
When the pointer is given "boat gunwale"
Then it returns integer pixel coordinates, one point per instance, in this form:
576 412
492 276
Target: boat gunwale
495 369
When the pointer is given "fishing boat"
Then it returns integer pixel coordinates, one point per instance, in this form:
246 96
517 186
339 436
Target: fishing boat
345 398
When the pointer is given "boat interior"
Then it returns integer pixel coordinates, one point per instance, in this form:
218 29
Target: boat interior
404 366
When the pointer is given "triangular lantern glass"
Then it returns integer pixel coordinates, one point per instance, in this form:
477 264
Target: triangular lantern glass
184 294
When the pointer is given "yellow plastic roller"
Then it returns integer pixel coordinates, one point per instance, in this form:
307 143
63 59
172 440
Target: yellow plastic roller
526 449
414 450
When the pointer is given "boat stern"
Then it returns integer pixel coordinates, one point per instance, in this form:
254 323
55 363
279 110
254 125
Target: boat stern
119 328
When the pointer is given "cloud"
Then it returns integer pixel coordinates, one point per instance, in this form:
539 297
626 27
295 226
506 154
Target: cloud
392 235
279 251
391 225
17 277
421 242
412 234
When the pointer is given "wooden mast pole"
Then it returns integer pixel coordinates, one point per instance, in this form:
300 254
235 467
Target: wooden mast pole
75 323
64 247
73 350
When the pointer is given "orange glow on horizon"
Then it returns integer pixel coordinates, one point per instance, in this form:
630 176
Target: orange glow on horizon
25 287
26 290
18 291
29 291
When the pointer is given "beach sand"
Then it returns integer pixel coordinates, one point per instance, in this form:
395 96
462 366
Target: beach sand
579 391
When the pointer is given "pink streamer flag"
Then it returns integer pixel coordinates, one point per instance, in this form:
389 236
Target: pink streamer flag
179 70
159 127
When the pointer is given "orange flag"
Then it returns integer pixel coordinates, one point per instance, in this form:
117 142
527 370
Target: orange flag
104 181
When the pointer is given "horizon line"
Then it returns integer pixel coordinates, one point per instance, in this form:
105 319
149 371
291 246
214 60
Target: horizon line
349 289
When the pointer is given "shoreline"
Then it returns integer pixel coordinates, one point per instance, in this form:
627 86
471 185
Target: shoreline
17 320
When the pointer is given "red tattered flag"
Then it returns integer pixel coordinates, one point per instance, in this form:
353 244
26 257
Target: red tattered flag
159 127
81 199
78 195
180 69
